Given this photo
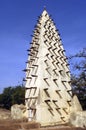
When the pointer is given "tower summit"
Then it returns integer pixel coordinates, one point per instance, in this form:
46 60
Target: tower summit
48 91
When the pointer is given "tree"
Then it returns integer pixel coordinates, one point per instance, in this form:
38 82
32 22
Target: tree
1 100
7 97
79 76
12 95
18 96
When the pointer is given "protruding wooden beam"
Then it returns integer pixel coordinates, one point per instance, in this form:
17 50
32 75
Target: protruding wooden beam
48 70
51 112
46 91
69 92
47 55
55 103
55 81
58 92
69 102
47 102
63 82
46 62
45 79
63 118
33 75
31 87
58 110
24 79
65 110
29 77
25 70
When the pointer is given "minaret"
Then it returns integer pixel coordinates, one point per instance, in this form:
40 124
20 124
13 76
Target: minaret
48 90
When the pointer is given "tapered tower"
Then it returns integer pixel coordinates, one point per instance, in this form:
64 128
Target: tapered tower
48 91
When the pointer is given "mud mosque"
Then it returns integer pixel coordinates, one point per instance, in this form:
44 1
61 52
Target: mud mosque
48 96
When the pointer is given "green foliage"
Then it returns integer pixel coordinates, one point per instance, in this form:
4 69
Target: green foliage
1 100
12 95
79 78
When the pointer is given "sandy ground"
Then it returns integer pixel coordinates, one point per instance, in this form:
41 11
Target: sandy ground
17 125
8 124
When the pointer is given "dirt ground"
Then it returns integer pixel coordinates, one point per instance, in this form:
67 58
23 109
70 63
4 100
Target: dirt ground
5 114
6 123
18 125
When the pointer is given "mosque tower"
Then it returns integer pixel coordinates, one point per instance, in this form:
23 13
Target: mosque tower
48 90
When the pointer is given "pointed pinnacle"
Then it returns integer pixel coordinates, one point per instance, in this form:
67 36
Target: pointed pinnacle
44 7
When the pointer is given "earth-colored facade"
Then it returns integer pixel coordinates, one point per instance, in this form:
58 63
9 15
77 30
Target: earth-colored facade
48 86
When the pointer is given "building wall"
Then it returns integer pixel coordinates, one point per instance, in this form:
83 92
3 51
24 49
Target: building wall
48 90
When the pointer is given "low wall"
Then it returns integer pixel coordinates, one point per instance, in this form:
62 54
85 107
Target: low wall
19 112
78 119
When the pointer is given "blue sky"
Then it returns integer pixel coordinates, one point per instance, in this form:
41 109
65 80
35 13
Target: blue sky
17 20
